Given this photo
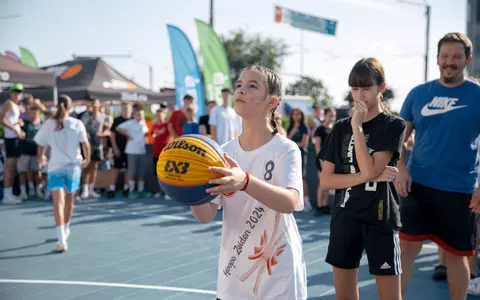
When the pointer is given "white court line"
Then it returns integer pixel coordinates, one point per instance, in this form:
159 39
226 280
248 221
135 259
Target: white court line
111 284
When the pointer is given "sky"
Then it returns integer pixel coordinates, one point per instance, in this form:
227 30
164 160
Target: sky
393 32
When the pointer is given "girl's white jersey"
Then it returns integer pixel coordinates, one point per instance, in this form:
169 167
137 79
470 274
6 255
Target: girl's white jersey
261 250
64 144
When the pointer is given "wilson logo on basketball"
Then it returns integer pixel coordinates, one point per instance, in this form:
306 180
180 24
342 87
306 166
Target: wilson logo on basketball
186 146
177 167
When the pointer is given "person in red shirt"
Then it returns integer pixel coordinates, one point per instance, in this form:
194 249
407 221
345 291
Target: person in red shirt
161 135
179 117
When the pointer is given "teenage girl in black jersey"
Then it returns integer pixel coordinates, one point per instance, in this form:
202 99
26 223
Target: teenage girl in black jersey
359 161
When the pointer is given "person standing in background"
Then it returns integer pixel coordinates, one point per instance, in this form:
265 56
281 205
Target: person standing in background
10 119
136 130
191 127
204 121
161 137
93 121
178 118
320 137
119 142
225 124
27 164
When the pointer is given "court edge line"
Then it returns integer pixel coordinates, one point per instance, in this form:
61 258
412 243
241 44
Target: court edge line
111 284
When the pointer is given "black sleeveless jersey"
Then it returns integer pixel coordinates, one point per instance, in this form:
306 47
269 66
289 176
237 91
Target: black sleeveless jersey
376 203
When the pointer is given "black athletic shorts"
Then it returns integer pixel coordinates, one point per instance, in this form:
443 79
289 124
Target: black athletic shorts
12 147
97 155
440 216
120 162
349 236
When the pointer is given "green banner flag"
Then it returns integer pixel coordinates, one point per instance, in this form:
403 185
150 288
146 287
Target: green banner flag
216 71
27 58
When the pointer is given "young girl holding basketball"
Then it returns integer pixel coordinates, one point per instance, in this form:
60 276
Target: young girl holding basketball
358 161
261 249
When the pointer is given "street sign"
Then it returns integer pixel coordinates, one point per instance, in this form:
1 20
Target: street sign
304 21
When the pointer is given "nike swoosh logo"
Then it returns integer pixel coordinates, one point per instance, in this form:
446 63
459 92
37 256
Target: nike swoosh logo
426 111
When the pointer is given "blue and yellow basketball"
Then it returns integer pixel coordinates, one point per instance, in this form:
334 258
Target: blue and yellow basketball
182 168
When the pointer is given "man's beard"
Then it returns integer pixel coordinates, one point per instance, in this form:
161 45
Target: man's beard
451 79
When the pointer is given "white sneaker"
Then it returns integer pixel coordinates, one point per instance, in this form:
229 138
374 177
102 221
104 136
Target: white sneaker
61 247
40 194
23 196
94 194
474 287
67 233
12 201
307 205
85 195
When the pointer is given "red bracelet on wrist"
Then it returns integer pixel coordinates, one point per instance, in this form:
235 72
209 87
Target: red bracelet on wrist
246 183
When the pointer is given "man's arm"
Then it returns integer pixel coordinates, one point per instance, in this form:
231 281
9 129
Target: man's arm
171 130
403 181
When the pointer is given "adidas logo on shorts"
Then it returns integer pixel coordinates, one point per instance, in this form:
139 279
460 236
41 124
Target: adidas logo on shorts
385 266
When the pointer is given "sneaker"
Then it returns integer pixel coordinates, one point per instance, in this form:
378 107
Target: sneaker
157 195
85 195
144 194
167 197
126 193
307 204
440 273
61 247
94 194
318 212
13 200
67 233
474 287
31 193
111 194
132 195
23 196
40 194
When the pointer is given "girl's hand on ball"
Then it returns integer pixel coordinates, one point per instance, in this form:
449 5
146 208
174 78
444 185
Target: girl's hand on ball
234 178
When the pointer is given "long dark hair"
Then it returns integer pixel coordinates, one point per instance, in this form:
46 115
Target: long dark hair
274 88
366 73
63 106
291 122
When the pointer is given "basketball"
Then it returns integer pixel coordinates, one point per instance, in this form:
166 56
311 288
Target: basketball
182 168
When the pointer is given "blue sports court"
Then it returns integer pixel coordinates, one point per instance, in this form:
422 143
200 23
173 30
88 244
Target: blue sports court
151 249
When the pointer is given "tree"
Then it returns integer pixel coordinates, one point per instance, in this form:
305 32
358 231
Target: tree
244 50
388 96
310 86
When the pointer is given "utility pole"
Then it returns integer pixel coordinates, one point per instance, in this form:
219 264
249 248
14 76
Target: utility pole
211 13
427 40
427 30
